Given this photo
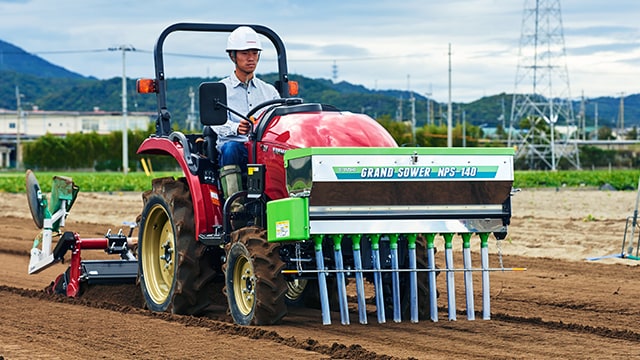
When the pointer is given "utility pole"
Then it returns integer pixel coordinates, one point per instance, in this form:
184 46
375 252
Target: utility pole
125 135
595 115
334 72
191 117
621 115
412 102
582 122
429 116
449 108
552 122
464 129
18 130
503 116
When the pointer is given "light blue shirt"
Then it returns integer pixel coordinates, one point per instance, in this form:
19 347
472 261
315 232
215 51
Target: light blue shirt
242 97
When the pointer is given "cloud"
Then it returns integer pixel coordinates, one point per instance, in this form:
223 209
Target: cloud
602 31
600 49
377 44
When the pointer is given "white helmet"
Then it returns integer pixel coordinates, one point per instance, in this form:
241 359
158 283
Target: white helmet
243 38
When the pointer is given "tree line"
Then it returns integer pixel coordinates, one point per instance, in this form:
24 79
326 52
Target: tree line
92 151
89 151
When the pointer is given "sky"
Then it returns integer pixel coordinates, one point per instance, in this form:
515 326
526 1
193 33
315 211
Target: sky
471 48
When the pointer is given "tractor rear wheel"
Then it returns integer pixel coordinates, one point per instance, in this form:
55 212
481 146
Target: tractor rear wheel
254 284
175 270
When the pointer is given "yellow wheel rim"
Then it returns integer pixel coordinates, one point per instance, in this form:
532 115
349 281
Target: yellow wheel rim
158 247
244 284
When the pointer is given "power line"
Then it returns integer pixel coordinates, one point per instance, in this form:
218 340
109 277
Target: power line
108 49
69 51
293 59
366 58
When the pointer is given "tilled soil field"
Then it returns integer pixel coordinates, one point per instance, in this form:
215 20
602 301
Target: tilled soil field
561 307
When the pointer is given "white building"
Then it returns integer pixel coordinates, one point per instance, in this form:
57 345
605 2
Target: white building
35 123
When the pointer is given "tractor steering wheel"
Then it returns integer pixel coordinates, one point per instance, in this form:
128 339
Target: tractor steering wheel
265 104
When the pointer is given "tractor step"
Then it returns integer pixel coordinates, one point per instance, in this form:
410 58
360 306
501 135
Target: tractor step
216 238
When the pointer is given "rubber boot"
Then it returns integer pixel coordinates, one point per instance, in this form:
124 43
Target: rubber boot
231 179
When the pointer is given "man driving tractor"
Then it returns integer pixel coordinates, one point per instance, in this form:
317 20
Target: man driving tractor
244 91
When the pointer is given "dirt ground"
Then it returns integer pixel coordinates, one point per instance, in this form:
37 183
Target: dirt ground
563 306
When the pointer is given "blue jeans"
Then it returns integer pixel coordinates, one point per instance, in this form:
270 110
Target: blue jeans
234 153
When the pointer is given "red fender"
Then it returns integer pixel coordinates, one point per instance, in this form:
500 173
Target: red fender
206 198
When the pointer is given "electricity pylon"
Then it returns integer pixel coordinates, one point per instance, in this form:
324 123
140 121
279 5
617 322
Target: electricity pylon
542 122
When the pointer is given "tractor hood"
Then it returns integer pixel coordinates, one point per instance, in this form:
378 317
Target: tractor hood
310 128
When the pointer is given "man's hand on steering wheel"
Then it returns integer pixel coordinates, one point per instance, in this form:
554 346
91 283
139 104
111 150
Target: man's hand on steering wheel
244 127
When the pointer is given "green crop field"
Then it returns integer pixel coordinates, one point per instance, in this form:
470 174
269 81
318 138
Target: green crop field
619 179
14 182
87 181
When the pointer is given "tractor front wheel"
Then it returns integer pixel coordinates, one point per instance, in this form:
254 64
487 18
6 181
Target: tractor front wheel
254 284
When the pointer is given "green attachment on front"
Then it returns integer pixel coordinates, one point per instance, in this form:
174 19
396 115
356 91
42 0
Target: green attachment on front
337 241
288 219
393 241
466 240
411 241
47 213
430 240
375 241
355 240
484 240
317 242
448 240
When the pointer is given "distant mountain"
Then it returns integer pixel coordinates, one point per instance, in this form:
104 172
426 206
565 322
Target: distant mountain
13 58
51 87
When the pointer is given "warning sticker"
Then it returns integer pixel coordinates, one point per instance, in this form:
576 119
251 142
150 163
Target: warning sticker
282 229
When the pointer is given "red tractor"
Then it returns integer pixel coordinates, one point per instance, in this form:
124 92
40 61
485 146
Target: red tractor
328 197
187 235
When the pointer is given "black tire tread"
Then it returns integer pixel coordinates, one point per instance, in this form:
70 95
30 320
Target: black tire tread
271 286
194 274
